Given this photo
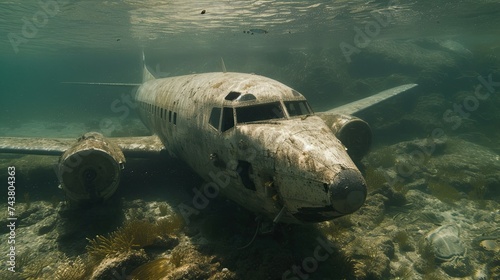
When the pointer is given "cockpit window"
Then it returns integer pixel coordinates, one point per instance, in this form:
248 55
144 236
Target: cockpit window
215 117
227 119
259 112
225 122
297 108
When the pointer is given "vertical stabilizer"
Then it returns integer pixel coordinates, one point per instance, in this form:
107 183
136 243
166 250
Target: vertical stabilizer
146 74
223 65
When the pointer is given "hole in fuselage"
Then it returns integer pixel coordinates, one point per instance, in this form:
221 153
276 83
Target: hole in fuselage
244 169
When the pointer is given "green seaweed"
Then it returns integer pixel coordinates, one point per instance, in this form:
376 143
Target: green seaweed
375 179
142 233
427 256
478 191
403 272
385 158
444 192
403 239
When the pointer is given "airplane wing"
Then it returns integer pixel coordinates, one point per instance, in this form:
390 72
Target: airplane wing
140 147
360 105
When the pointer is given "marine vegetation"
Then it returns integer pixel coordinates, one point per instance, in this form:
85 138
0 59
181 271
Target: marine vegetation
478 191
369 262
404 241
153 270
132 235
443 192
101 247
33 268
403 272
428 262
384 158
73 270
374 178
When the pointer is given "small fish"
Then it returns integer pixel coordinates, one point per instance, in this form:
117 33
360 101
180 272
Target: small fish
203 12
255 31
258 31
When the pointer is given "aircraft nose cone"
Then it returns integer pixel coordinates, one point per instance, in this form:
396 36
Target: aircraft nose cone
348 191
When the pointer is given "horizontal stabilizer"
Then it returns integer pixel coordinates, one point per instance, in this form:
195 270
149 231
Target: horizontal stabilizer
140 147
360 105
103 84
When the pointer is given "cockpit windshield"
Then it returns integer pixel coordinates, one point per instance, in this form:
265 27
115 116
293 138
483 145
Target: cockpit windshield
260 112
270 111
297 108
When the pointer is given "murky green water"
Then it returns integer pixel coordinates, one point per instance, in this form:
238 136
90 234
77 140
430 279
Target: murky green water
435 159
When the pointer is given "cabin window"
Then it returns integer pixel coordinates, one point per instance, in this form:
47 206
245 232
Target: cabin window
227 119
175 118
169 116
215 118
259 112
297 108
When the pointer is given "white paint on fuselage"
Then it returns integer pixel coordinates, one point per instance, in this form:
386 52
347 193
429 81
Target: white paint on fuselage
300 153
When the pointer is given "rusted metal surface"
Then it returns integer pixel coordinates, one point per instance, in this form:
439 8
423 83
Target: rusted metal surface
90 170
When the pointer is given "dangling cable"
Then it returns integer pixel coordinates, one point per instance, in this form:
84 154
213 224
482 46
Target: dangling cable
253 238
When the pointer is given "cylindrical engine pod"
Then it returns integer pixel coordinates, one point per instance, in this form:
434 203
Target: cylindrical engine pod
91 169
353 132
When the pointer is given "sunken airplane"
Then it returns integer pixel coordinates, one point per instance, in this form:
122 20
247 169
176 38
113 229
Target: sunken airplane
254 139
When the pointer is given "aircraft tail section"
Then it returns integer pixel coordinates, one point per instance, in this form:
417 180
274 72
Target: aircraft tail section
146 74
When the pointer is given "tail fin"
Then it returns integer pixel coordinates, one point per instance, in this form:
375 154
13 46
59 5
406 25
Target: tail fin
146 74
223 65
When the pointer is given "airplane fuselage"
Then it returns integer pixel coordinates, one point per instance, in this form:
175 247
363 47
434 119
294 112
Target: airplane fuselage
256 141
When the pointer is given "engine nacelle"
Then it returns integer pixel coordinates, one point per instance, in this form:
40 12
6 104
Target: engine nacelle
90 170
354 133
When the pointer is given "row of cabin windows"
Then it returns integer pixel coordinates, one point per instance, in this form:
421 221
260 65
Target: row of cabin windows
224 119
160 112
